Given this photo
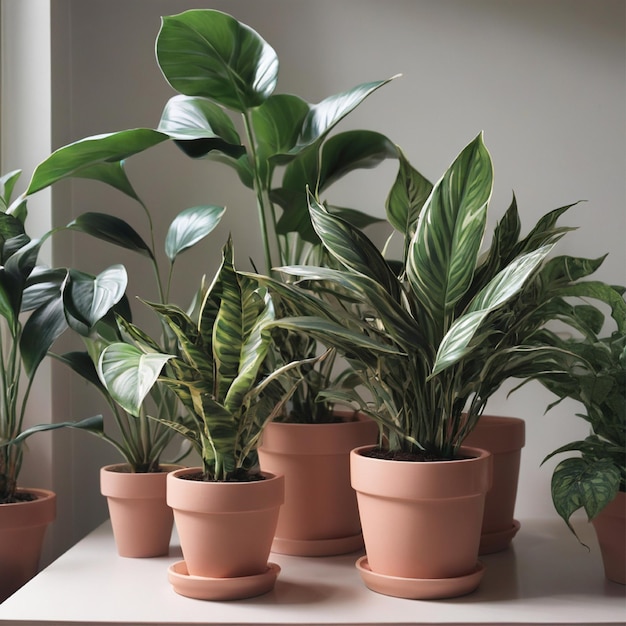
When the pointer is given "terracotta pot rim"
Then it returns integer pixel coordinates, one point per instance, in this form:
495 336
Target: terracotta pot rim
285 438
428 480
204 496
470 450
120 468
18 513
133 485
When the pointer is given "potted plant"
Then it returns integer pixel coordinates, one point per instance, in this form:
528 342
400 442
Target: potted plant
33 316
450 314
226 511
593 372
136 489
224 73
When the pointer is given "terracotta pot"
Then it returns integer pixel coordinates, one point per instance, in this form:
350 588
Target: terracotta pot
504 437
610 527
422 520
141 520
320 516
22 530
225 529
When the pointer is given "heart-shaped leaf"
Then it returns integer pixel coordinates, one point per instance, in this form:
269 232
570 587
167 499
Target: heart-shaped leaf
210 54
129 374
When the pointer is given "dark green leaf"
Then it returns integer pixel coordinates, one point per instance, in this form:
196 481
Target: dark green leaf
93 424
111 229
83 157
40 331
210 54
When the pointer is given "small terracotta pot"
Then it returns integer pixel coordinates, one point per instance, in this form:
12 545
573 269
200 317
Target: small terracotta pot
22 530
504 437
320 516
141 520
610 527
225 528
422 520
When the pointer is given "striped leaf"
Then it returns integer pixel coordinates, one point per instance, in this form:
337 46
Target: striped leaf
325 115
228 331
443 253
407 197
352 248
456 343
396 321
253 352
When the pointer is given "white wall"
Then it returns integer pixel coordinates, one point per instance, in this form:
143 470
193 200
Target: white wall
544 80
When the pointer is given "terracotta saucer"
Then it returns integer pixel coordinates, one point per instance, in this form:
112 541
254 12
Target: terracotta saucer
418 588
203 588
498 541
318 547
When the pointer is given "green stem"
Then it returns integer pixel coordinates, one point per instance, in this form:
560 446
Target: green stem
264 205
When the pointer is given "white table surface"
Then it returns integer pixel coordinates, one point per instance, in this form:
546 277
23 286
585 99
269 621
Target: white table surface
545 578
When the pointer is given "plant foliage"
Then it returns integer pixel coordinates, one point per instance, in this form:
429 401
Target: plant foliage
457 322
33 316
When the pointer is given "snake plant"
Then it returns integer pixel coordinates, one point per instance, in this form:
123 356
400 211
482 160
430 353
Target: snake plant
461 321
225 75
216 367
32 317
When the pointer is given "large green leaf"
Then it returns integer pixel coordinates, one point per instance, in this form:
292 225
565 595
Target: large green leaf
186 117
443 253
341 154
277 123
89 298
325 115
210 54
82 157
191 226
129 374
111 229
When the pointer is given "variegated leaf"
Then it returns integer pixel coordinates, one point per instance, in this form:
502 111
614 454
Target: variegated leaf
352 248
456 342
129 374
443 253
